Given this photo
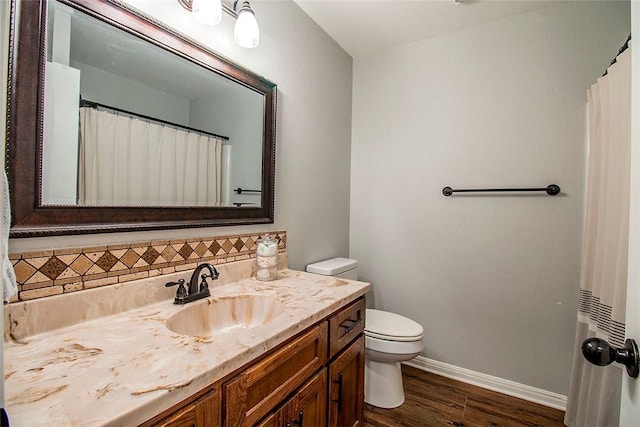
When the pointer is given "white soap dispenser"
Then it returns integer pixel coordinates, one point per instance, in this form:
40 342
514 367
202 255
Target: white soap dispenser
267 259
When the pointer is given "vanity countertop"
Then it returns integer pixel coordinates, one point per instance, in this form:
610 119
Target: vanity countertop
125 368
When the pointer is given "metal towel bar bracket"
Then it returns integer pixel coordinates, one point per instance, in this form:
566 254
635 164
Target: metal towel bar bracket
551 190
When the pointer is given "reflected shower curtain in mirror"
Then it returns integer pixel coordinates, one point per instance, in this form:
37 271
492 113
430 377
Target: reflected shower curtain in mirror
594 391
125 161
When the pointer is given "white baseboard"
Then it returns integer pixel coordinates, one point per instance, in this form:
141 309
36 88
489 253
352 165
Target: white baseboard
511 388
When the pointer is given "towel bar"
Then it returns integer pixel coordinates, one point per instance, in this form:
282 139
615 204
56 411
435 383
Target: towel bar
551 190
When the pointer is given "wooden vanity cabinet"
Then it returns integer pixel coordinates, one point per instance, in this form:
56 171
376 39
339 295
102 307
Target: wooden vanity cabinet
315 379
333 350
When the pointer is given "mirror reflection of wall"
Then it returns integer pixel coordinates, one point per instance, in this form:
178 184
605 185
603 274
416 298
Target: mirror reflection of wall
88 59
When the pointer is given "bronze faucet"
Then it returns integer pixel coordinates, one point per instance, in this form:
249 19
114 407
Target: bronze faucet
195 291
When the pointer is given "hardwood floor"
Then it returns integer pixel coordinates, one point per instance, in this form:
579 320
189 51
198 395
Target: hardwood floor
432 400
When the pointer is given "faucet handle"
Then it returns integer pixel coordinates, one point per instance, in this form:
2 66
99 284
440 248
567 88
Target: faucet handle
182 291
203 284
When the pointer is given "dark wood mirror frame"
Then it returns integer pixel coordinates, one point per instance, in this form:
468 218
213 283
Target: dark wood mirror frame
25 93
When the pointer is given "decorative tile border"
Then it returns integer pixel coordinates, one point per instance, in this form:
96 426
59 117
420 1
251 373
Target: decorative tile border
47 273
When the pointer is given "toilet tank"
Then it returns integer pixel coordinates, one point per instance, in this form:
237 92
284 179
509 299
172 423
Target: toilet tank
345 268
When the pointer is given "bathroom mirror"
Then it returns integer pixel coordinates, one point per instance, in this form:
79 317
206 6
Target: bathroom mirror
118 123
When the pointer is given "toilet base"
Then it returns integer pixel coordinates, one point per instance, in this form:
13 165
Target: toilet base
383 384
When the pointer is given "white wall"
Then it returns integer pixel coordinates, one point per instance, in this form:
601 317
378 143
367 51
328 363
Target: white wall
313 75
237 113
493 279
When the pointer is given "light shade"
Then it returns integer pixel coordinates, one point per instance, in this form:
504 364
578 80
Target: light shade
246 32
207 11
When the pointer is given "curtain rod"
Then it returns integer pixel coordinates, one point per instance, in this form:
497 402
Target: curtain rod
93 104
622 49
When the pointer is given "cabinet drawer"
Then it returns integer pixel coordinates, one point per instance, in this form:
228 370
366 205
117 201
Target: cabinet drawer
345 325
260 388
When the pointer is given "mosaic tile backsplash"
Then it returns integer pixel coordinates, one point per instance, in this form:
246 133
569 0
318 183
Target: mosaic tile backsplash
46 273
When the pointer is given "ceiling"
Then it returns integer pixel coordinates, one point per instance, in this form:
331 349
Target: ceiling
365 26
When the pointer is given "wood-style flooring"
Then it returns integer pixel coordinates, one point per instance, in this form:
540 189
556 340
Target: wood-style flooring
432 400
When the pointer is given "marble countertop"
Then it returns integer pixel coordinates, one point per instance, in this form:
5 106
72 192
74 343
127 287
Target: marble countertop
125 368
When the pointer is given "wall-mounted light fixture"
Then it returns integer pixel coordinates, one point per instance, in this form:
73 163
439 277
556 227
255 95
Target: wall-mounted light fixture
246 32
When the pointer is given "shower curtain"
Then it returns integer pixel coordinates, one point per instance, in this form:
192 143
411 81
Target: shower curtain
125 161
594 391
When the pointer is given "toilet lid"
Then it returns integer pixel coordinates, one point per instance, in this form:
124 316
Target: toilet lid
391 326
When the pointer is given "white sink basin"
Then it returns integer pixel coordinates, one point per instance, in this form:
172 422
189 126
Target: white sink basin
216 315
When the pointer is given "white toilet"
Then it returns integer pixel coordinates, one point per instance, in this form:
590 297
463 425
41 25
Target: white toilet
389 340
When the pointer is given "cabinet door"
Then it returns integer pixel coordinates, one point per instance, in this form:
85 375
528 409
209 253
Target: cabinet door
346 387
204 412
310 404
306 408
185 418
264 385
277 419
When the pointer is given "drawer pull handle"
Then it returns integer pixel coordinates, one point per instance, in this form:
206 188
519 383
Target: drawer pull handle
354 323
299 420
339 399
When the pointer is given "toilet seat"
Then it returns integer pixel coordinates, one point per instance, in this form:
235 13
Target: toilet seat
395 348
391 327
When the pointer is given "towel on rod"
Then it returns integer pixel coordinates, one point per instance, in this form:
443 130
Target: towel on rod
8 275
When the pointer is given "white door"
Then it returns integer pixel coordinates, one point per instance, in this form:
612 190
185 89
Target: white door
630 402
